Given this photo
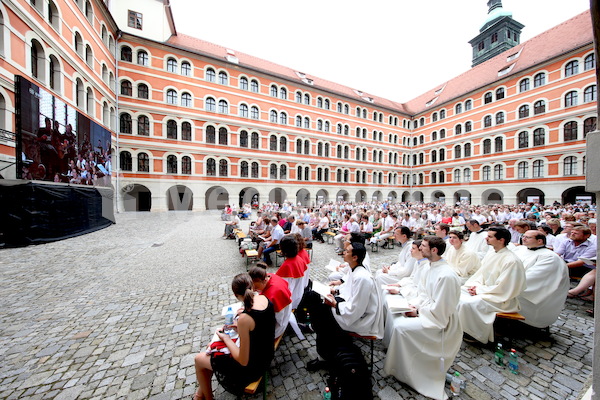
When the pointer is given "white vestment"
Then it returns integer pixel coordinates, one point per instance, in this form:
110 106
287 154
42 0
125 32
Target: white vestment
362 310
417 344
499 281
547 278
398 270
477 243
412 288
463 261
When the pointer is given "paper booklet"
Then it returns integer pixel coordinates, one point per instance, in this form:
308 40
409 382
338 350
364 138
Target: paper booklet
333 264
321 288
397 304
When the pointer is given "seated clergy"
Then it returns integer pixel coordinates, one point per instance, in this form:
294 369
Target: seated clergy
462 260
404 266
494 288
477 239
547 278
425 341
274 288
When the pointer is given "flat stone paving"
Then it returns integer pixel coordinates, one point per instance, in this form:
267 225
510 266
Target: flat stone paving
120 313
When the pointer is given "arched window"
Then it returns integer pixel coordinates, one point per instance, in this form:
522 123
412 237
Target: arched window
244 83
283 118
37 60
442 114
143 125
223 78
524 111
458 129
244 169
539 107
171 65
273 116
499 93
223 170
255 170
254 86
171 129
524 85
186 100
457 175
283 93
210 75
78 43
54 72
90 101
539 137
171 164
488 98
126 88
589 125
570 131
467 175
254 113
485 173
468 126
142 90
274 91
498 172
442 153
498 145
125 123
589 94
211 135
89 56
307 99
243 111
539 79
499 118
523 139
326 152
523 170
243 139
186 68
211 167
283 144
589 62
570 166
172 97
126 54
143 162
434 136
487 121
186 165
211 104
442 176
186 131
538 169
327 105
223 136
142 57
89 11
468 105
433 156
572 68
223 107
306 123
254 140
273 143
283 172
273 171
487 146
125 161
458 108
434 177
457 151
467 149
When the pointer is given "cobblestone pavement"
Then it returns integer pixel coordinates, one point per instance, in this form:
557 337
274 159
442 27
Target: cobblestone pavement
119 314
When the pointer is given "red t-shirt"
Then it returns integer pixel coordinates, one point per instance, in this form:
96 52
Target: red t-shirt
278 292
293 267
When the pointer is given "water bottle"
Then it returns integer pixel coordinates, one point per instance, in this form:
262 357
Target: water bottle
513 362
308 319
327 394
499 355
229 319
455 384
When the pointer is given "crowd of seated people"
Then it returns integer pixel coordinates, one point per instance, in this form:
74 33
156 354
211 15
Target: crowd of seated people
455 274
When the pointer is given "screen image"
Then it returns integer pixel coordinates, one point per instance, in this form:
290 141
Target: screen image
57 143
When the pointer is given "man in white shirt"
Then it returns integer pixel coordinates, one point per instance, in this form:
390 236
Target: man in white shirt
494 288
477 239
272 244
405 264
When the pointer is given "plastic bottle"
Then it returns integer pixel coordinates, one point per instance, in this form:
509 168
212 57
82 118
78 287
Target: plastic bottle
308 319
499 355
513 361
229 319
327 394
455 384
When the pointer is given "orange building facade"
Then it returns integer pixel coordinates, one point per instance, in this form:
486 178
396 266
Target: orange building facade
198 126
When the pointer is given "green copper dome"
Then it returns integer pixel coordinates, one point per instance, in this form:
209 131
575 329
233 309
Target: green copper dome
495 14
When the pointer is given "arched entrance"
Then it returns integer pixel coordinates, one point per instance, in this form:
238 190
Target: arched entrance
530 195
577 194
438 197
418 196
405 197
462 196
277 195
180 198
322 196
342 195
492 196
303 197
377 196
361 196
136 198
248 195
216 198
392 196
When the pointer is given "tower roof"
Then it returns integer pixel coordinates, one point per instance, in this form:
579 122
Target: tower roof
495 12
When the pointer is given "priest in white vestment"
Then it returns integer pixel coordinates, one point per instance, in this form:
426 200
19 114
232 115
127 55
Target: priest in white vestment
463 261
405 264
494 288
547 279
477 238
426 340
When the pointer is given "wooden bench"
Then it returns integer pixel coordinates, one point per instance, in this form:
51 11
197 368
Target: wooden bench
510 318
515 316
330 235
251 256
253 387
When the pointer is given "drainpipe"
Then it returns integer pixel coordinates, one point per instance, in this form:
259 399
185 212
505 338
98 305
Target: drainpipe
117 130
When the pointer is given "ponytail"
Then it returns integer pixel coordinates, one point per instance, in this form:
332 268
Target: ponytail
242 286
248 299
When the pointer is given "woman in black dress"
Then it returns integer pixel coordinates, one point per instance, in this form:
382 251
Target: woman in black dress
256 330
